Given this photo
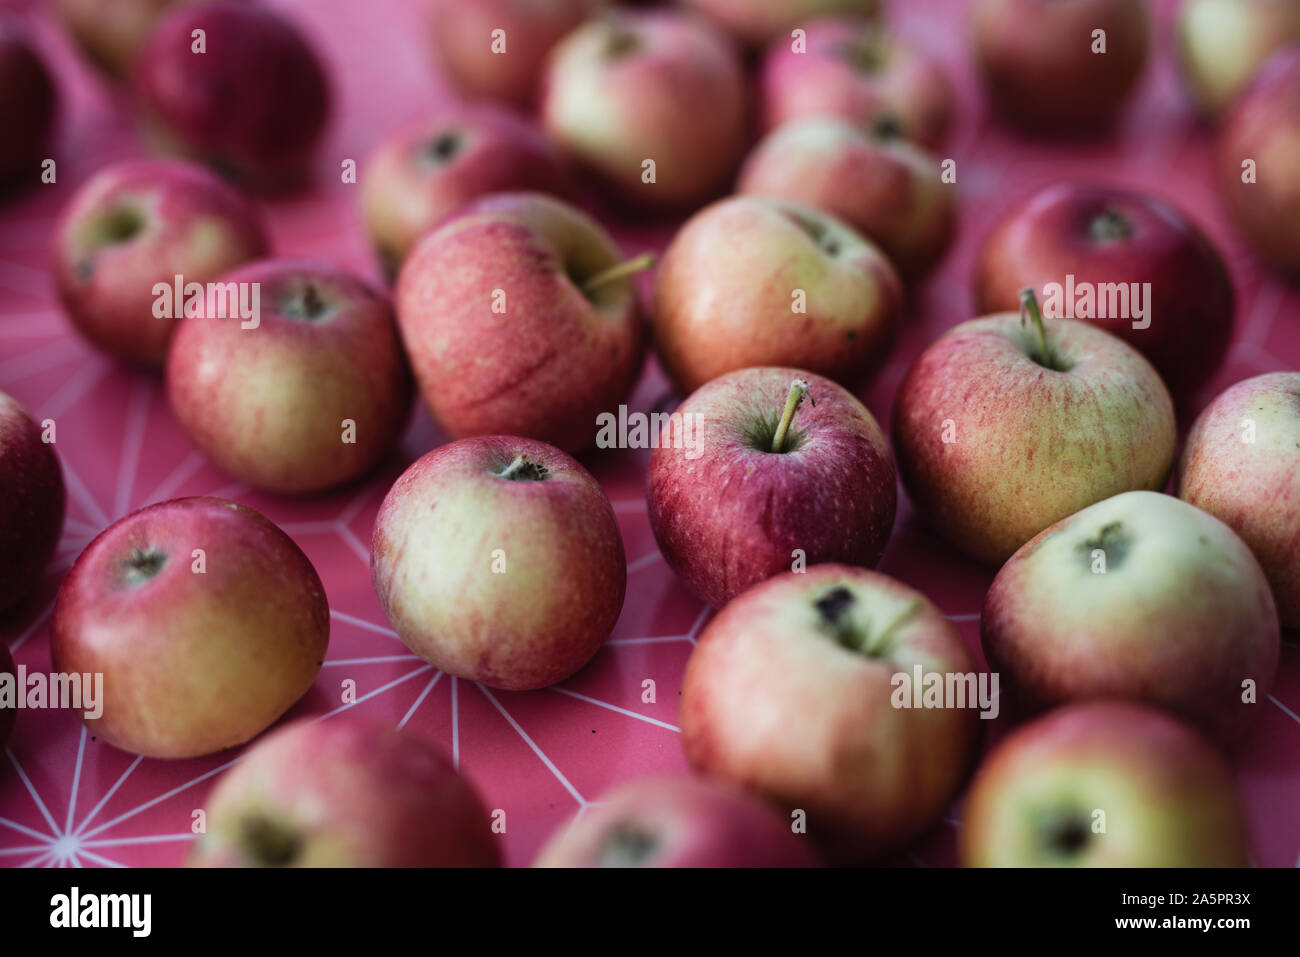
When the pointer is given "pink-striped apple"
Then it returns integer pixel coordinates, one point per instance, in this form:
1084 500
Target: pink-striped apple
310 393
1241 463
1222 43
678 822
1002 427
32 502
134 225
1104 784
756 281
499 559
747 481
1140 596
28 102
758 21
802 691
520 317
207 622
344 793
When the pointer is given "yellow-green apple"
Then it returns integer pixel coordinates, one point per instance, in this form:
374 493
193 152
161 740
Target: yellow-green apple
344 793
32 502
252 104
28 102
427 171
495 49
7 714
886 188
1003 427
1143 597
678 822
520 317
498 559
753 281
746 481
794 692
860 73
1126 261
1104 784
1259 179
622 95
1222 43
134 225
312 395
1241 463
111 32
758 21
1046 67
207 622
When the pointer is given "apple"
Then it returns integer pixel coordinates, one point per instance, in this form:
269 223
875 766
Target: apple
1222 43
1038 63
499 559
758 21
253 104
860 73
111 33
207 622
1002 428
311 397
677 822
1241 463
495 49
752 281
745 483
1104 784
7 715
1264 128
139 223
1109 239
1140 596
344 793
28 102
426 171
791 693
653 103
32 503
887 189
520 317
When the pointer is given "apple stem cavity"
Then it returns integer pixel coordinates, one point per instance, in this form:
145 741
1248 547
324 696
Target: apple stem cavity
269 843
444 146
628 845
1045 355
1109 227
522 470
798 389
307 304
143 565
628 267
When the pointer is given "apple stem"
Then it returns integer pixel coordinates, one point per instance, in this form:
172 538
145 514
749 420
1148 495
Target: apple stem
798 389
628 267
1029 306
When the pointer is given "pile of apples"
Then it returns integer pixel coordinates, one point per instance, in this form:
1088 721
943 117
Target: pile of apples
1135 632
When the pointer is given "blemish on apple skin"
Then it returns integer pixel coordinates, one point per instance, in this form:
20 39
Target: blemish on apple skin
85 270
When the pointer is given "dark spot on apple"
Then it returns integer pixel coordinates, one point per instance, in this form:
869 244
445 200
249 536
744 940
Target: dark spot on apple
620 42
1109 226
1064 833
305 303
117 225
143 565
834 604
887 127
628 844
444 146
85 269
866 55
851 335
267 842
1113 539
524 470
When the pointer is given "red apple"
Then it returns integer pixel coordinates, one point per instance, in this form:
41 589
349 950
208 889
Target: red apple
1140 596
1004 427
499 559
758 21
792 693
885 188
520 318
111 33
752 281
1241 464
1222 43
1038 62
134 225
313 395
1095 243
1104 784
7 714
678 822
857 72
32 503
495 49
421 174
1264 128
625 96
27 107
207 622
744 483
344 793
253 104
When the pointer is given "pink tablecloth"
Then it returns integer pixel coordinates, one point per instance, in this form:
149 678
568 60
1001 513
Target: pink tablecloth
541 756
